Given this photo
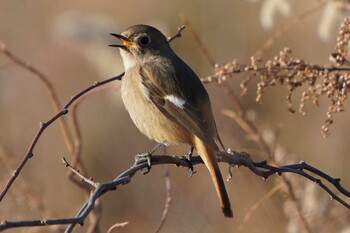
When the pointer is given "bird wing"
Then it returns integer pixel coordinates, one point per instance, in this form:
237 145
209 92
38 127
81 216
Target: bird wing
166 89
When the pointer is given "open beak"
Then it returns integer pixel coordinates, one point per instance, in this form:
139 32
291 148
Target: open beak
126 42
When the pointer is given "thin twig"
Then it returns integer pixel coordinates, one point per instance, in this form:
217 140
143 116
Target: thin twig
177 34
24 189
77 172
76 157
117 225
76 129
256 205
167 201
44 125
297 18
51 91
198 40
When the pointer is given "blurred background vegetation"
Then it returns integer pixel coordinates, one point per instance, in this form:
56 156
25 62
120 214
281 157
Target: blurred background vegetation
67 41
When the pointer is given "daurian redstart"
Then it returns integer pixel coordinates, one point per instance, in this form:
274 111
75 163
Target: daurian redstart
167 101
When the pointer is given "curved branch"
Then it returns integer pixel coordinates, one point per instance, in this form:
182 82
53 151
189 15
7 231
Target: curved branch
48 85
44 125
232 158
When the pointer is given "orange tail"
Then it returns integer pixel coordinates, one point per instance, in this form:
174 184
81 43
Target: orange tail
208 155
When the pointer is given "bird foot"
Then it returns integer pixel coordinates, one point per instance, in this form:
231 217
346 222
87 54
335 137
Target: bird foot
188 157
139 158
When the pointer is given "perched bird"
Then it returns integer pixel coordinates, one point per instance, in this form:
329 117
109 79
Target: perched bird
167 101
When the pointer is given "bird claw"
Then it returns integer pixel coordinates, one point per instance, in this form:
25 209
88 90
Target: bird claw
147 156
192 171
141 158
188 157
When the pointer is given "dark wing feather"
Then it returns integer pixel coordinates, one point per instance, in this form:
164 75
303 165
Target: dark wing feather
196 115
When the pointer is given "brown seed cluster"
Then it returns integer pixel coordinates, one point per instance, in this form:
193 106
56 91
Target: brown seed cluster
315 81
339 56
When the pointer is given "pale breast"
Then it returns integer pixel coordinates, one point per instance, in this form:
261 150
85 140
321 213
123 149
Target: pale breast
146 116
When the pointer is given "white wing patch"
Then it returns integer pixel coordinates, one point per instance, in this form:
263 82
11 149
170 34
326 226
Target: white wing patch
177 101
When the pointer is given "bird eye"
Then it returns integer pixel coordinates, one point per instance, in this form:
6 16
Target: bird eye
144 40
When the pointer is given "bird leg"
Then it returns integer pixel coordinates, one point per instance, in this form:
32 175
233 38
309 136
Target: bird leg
147 155
188 157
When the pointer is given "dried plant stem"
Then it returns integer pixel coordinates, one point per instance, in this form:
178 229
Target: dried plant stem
198 40
290 23
23 189
256 205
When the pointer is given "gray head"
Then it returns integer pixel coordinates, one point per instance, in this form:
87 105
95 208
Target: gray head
142 41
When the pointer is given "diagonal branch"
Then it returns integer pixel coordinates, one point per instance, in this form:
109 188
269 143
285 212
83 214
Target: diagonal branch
44 125
177 34
48 85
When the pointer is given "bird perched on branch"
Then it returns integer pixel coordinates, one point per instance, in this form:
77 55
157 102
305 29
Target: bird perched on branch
167 101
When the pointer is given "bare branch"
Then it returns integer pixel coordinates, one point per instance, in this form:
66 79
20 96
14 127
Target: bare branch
76 172
233 158
177 34
50 90
44 125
